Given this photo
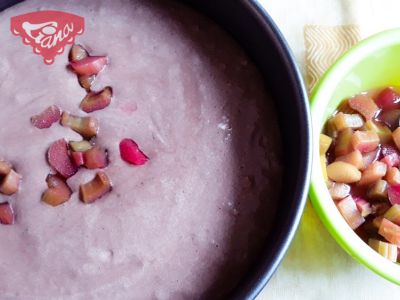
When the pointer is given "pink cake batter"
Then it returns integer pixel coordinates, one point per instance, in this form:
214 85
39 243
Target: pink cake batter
185 225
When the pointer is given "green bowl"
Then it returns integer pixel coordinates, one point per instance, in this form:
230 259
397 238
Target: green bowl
373 63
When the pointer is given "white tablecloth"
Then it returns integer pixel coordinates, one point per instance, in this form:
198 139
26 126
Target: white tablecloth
315 267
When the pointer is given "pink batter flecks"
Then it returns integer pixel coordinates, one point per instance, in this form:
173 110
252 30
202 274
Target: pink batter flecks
184 226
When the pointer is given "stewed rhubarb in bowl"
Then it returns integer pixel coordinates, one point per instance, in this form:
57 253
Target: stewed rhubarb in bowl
355 185
154 157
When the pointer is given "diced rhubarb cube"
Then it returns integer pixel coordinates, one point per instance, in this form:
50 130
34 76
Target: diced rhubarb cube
379 190
330 128
390 231
96 101
387 250
376 222
348 208
365 141
364 105
6 214
58 158
396 137
388 99
384 132
5 168
324 143
343 143
78 158
131 153
80 146
10 183
96 158
46 118
91 65
393 214
370 157
96 188
394 194
343 121
323 167
363 206
373 172
343 172
86 81
393 176
355 158
390 118
58 191
77 52
391 160
85 126
339 190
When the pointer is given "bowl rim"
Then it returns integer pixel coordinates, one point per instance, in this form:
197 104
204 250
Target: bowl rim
318 193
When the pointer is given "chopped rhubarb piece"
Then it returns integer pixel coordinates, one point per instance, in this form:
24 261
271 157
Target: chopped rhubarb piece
91 65
58 158
330 128
363 206
343 121
373 172
355 158
86 81
78 158
364 105
46 118
6 214
343 172
323 167
390 118
390 231
393 176
97 101
5 168
96 188
343 143
85 126
80 146
394 194
376 222
393 214
370 157
387 250
10 183
345 108
324 143
365 141
350 213
391 160
379 190
384 132
339 190
131 153
96 158
388 99
58 191
396 137
77 53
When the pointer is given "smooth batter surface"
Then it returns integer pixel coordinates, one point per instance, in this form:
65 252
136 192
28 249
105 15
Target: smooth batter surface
183 226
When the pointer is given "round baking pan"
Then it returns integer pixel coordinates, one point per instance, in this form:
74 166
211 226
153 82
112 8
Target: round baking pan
251 26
